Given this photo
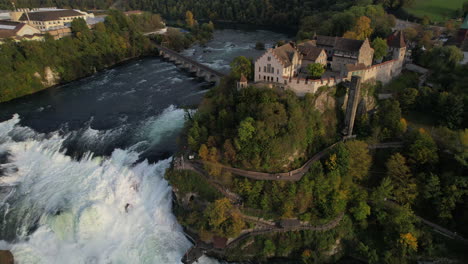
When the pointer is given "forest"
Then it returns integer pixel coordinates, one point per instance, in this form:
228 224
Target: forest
383 192
259 12
23 64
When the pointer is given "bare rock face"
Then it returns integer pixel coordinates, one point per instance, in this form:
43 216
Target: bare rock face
6 257
325 101
50 78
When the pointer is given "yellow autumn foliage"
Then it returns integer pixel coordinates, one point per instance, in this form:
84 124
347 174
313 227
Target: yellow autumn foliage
409 240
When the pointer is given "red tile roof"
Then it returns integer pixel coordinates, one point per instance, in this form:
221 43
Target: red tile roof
309 50
396 40
285 54
339 43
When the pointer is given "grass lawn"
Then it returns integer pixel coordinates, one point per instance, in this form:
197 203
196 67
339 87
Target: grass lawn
436 10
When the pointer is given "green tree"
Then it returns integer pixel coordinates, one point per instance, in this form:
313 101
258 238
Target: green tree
269 248
389 118
405 189
407 98
423 150
361 211
359 159
241 65
315 70
380 48
246 129
450 110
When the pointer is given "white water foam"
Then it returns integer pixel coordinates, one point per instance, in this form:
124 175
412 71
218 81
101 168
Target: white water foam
170 121
93 210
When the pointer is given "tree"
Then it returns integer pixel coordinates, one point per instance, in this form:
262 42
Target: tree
218 212
450 110
189 20
407 98
361 211
408 242
423 150
404 184
203 152
269 248
411 34
361 30
246 129
241 65
315 70
380 48
389 118
223 219
359 159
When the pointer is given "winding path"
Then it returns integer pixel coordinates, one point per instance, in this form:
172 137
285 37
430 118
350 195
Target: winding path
294 175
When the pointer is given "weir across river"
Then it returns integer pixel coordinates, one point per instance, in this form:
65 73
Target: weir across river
200 70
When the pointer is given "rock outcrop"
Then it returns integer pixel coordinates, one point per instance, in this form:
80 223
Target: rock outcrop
49 78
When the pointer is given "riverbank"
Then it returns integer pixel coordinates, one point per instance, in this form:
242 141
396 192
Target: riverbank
129 117
59 84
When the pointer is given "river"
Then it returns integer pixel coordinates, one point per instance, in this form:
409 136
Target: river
72 157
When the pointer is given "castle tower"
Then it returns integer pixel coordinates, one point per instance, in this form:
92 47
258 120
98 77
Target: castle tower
242 83
397 45
354 93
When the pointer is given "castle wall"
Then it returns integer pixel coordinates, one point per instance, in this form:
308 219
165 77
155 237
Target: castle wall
302 86
383 72
366 54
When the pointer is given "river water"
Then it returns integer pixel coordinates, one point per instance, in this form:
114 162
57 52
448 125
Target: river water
73 157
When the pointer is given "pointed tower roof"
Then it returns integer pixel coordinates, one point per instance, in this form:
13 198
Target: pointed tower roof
396 40
242 78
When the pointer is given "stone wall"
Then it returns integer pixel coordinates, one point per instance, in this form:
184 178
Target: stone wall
366 53
301 86
383 72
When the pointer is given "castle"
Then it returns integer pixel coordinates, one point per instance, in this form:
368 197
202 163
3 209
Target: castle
285 66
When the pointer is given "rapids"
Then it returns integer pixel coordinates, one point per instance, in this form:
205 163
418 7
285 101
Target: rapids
82 165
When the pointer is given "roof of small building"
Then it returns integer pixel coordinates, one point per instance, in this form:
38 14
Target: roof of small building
309 50
339 43
50 15
396 40
9 28
285 54
242 78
